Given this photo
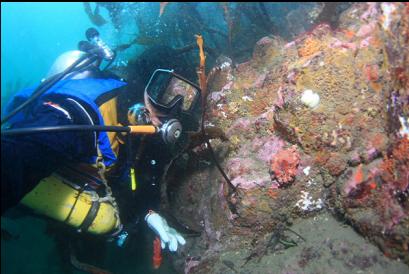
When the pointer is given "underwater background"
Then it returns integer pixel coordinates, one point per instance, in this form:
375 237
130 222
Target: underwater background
35 34
311 106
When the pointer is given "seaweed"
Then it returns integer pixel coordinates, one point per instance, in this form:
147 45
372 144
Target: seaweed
277 236
94 16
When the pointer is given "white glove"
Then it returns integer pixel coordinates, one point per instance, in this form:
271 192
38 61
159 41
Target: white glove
167 234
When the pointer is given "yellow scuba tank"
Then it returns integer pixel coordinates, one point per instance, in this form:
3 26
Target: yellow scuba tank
60 196
63 200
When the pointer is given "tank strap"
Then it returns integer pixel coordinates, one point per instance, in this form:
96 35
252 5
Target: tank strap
108 192
97 200
80 191
92 213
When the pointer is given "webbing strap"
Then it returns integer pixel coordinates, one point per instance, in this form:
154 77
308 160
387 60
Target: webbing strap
92 213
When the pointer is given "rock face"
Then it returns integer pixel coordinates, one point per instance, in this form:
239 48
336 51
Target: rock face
290 162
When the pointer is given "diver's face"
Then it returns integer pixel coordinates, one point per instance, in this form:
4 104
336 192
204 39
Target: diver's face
153 112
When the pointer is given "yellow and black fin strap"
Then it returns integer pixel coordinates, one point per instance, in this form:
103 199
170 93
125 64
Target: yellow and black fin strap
92 213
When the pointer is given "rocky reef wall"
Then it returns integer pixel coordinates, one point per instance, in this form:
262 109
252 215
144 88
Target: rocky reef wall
314 125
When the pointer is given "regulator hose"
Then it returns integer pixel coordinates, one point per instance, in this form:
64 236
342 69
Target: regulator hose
47 84
30 130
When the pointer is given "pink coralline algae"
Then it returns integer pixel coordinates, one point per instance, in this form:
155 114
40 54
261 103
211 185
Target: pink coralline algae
367 29
260 81
243 173
237 167
371 12
267 147
279 102
392 213
284 165
264 41
246 182
356 179
239 126
341 44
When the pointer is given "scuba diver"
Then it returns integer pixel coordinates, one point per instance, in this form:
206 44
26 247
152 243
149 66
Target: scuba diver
62 141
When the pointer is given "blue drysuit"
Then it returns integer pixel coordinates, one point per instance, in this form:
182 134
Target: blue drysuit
25 160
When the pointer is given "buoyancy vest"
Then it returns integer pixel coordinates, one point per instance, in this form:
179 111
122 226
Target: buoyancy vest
95 94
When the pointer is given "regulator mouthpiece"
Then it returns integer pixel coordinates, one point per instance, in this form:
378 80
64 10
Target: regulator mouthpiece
171 131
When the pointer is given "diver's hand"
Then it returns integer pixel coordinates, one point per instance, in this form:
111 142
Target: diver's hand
167 234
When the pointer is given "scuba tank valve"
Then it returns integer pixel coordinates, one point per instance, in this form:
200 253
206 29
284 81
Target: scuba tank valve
93 36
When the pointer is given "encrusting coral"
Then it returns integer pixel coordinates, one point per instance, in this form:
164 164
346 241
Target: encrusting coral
284 165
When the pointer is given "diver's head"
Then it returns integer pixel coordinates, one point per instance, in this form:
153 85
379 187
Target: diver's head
168 95
67 59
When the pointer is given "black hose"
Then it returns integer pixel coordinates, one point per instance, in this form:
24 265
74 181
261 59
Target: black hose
46 85
110 62
30 130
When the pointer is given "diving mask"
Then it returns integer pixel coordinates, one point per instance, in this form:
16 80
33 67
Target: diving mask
168 91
